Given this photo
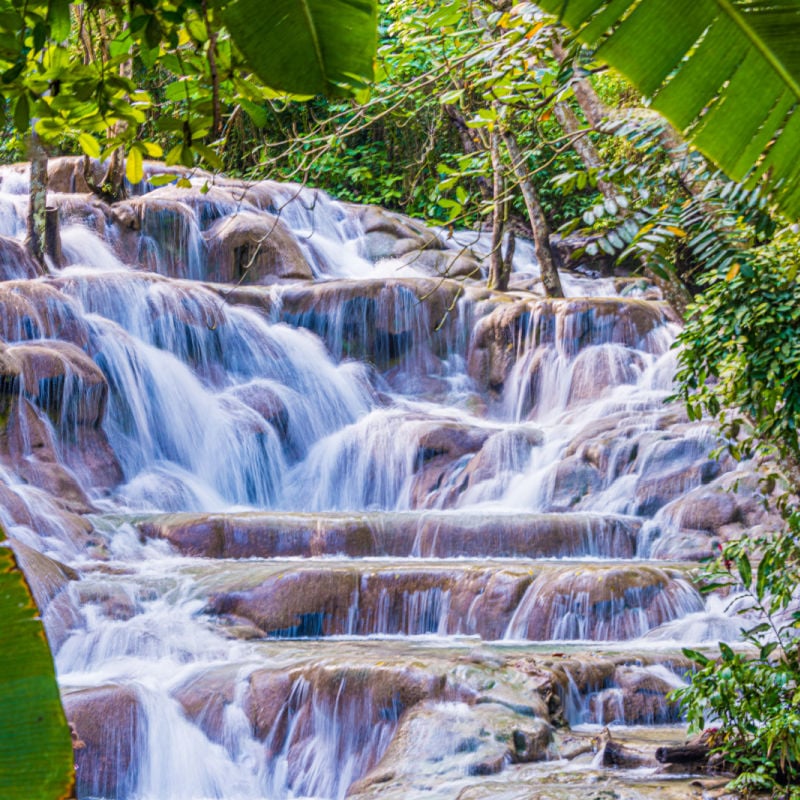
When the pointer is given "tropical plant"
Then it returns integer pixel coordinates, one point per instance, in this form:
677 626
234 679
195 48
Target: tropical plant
64 66
726 74
35 743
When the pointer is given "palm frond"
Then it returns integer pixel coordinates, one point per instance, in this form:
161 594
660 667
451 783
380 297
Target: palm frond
726 73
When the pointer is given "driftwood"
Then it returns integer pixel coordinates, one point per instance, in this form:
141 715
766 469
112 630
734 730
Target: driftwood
691 753
618 755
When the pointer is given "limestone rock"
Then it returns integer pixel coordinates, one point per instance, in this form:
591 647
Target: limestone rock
254 248
108 720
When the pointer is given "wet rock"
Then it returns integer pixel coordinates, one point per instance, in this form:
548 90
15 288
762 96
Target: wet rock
569 326
205 697
303 602
38 310
66 174
15 261
479 741
644 696
381 321
340 600
705 510
439 475
532 743
265 535
254 248
439 263
654 491
261 397
599 369
266 700
388 234
82 209
113 600
46 577
169 241
363 703
574 480
56 376
601 603
108 720
527 535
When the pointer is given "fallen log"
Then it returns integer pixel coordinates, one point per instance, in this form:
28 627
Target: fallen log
618 755
692 753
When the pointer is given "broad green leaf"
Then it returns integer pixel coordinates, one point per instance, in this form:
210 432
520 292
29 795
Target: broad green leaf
307 46
726 73
133 165
58 15
162 180
35 743
256 112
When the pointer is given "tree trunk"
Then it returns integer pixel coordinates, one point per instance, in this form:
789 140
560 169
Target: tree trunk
52 237
618 755
589 101
538 220
498 274
583 146
37 205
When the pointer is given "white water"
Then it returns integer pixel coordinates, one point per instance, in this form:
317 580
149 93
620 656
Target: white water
347 401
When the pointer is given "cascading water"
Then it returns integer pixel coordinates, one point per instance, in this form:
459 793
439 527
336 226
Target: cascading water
314 499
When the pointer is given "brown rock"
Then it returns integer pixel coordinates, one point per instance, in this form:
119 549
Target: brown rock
204 698
15 261
254 248
108 720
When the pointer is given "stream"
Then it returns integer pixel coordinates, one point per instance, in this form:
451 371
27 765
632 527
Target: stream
310 513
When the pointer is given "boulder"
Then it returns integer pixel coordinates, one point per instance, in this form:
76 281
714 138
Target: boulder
205 696
66 174
574 480
601 603
168 241
57 377
109 722
15 261
254 248
38 310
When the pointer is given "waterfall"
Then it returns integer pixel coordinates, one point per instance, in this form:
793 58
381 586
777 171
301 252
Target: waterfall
295 495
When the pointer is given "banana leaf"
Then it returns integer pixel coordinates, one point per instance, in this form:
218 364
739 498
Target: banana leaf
726 73
307 47
35 744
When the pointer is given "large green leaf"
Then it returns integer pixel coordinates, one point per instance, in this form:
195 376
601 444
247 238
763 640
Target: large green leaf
35 743
307 46
726 73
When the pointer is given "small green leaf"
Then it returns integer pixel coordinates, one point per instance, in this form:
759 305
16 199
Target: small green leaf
89 145
745 570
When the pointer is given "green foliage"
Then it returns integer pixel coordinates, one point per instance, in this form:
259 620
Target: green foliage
726 74
70 68
35 743
752 697
447 74
741 354
740 364
306 46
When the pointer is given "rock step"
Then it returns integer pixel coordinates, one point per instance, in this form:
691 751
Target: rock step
424 534
532 601
358 697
